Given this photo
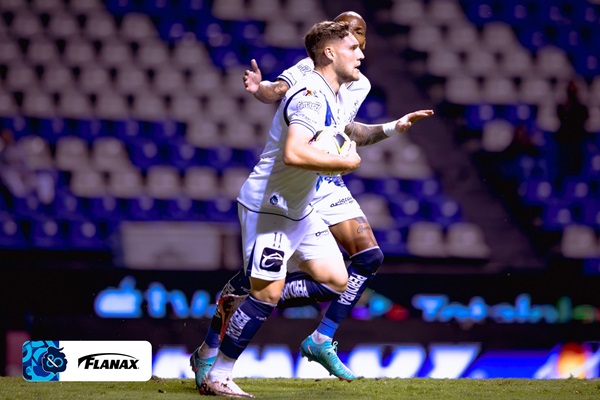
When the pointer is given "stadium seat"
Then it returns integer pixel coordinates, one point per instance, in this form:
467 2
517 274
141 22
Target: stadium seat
20 76
115 53
78 52
25 24
109 154
465 240
426 239
407 12
99 25
442 210
111 106
130 80
12 233
579 241
85 234
73 104
48 234
72 153
392 241
558 214
36 152
152 53
163 182
42 51
136 27
405 209
63 26
424 36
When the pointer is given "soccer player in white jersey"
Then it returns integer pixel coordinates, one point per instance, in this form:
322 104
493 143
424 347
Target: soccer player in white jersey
274 203
346 221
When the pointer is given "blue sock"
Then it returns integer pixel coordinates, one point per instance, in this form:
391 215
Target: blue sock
243 325
362 269
301 289
238 285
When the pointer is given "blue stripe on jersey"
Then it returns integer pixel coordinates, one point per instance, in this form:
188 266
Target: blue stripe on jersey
329 120
287 103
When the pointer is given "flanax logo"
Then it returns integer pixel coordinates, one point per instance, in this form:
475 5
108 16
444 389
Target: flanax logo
126 300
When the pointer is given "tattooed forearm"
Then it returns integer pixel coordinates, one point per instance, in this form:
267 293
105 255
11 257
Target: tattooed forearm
365 135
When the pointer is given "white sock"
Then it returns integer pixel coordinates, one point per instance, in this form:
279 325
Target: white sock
207 352
319 338
222 368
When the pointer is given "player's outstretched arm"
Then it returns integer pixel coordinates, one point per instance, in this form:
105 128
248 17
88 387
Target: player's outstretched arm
364 134
265 91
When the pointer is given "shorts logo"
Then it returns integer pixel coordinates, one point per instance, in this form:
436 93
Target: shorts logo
271 259
346 200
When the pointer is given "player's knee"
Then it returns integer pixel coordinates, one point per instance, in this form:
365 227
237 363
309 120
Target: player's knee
368 261
339 281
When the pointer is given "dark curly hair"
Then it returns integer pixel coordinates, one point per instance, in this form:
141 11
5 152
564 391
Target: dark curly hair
323 33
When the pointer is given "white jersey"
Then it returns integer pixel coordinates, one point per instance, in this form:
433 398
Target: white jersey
357 91
274 187
332 199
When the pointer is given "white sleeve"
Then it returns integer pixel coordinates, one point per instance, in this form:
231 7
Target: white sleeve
293 74
307 108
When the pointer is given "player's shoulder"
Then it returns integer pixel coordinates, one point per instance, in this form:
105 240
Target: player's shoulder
310 86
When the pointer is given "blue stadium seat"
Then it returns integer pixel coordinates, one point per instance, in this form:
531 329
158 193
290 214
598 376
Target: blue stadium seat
405 209
12 232
558 213
144 153
47 233
392 241
442 210
85 234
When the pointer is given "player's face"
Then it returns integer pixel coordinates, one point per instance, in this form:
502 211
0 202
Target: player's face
347 62
360 32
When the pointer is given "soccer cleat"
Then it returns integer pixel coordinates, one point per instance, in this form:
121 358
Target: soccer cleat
226 306
200 366
326 355
226 388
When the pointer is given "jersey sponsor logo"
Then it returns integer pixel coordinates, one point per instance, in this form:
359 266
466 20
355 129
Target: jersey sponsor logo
108 361
311 105
354 284
274 200
271 259
340 202
309 93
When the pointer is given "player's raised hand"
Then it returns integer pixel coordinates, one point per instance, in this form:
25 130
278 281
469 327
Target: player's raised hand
406 121
252 78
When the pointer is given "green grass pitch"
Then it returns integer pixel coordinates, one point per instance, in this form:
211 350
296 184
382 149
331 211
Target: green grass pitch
310 389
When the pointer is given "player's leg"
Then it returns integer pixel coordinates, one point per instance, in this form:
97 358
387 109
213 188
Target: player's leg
266 253
231 296
331 271
356 237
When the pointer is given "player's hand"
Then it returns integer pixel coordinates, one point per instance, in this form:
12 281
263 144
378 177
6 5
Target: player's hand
409 119
252 78
353 158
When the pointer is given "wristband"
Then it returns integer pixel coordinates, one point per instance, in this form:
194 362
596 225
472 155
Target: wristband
389 128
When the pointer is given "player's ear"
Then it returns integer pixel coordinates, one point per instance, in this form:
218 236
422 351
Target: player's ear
329 53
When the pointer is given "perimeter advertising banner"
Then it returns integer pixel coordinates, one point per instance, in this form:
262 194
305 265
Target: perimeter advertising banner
509 325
